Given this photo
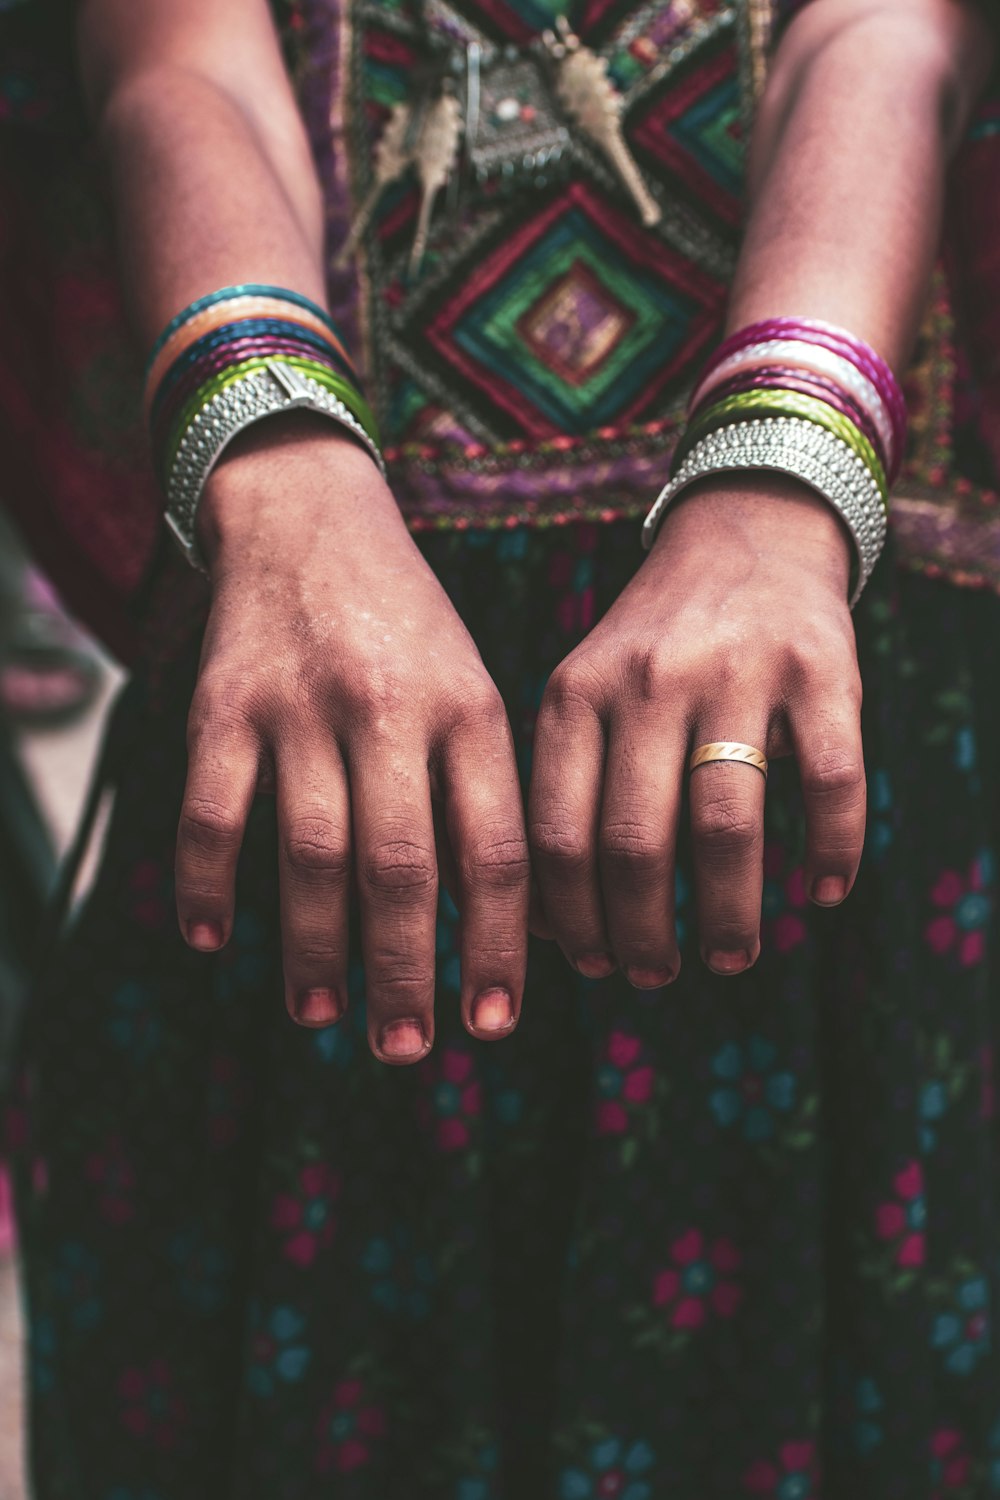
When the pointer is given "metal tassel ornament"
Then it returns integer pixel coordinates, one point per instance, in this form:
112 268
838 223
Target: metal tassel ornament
394 153
595 106
436 159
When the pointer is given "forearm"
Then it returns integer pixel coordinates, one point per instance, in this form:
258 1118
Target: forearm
207 191
864 106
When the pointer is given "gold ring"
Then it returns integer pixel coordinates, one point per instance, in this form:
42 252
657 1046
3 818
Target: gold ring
729 750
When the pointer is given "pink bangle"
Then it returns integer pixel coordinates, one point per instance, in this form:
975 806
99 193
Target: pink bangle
839 341
806 384
821 361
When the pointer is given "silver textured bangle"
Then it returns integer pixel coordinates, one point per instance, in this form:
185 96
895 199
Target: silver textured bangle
259 394
803 450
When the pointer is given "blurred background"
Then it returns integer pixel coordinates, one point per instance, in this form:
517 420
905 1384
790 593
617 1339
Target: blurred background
56 685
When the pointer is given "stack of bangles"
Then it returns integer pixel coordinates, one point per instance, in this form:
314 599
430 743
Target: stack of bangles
229 360
805 399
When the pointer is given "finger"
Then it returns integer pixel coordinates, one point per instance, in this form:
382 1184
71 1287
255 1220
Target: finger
223 759
727 824
314 864
563 818
397 888
639 817
832 771
486 832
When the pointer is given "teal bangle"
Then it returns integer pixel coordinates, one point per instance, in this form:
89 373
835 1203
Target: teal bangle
245 289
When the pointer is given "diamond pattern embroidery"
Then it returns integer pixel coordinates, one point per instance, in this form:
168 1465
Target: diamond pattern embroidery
577 319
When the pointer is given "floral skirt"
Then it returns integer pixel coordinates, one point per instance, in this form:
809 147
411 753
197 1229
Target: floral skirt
739 1237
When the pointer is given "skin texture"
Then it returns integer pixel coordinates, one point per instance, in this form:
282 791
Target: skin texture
335 672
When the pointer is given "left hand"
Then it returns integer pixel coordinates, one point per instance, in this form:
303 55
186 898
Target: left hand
736 627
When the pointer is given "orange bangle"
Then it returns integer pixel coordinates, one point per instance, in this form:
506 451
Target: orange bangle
232 310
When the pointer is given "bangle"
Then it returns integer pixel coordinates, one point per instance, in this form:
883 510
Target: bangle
233 294
277 387
237 309
780 403
802 450
838 341
821 363
230 359
802 383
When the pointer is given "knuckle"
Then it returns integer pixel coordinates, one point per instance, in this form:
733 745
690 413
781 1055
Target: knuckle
399 868
559 844
398 987
724 821
316 847
500 860
208 827
573 683
631 846
834 772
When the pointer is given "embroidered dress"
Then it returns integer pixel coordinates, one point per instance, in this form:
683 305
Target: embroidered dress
735 1238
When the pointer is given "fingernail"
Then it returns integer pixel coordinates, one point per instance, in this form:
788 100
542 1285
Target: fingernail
829 890
728 963
402 1039
596 965
648 979
493 1010
205 936
318 1008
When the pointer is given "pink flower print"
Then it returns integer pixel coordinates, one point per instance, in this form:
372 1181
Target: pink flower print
455 1099
964 907
150 1407
902 1219
793 1477
227 1098
784 901
113 1176
348 1426
950 1464
149 884
621 1082
700 1280
306 1218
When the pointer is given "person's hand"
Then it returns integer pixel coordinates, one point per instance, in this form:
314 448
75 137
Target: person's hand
336 672
736 627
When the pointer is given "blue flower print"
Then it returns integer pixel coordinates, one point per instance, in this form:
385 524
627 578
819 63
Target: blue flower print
276 1350
867 1433
401 1281
202 1270
448 963
993 1462
681 893
880 829
754 1091
75 1281
614 1469
136 1025
41 1364
963 1336
481 1485
932 1104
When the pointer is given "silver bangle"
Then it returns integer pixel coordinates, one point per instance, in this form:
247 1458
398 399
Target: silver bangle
260 393
803 450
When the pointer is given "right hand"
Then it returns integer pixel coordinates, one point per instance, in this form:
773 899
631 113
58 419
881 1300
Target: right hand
336 672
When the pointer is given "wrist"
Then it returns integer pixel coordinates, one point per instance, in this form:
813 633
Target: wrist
749 515
284 481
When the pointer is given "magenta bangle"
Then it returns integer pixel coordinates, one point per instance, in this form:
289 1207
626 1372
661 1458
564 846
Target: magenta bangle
213 364
777 377
827 336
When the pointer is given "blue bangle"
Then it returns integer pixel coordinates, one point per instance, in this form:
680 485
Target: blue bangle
226 293
245 328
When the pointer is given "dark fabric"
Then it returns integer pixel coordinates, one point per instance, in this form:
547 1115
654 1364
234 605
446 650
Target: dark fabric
739 1237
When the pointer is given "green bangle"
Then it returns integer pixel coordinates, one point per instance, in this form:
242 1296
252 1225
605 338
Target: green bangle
747 405
322 374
